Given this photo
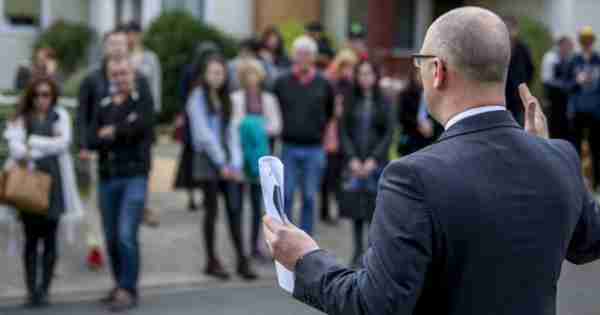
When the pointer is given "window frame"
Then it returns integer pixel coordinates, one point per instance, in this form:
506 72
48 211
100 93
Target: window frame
7 27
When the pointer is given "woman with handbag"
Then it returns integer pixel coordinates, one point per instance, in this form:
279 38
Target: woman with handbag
366 132
257 114
39 136
212 161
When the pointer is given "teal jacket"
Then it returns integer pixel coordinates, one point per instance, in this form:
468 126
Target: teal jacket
255 144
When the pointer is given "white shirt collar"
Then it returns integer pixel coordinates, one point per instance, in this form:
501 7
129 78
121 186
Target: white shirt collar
472 112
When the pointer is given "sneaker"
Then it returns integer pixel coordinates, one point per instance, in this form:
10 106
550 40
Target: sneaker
122 301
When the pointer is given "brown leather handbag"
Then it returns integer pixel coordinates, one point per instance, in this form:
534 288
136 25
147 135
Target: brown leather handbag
25 189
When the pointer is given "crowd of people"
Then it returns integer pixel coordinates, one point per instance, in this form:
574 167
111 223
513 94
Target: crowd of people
572 84
323 112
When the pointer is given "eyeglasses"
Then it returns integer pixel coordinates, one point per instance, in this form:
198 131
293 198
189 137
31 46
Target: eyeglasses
43 94
418 59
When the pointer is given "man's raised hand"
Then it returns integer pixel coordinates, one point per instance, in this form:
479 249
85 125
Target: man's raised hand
535 120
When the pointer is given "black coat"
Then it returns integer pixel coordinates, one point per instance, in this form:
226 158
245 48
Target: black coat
93 88
380 134
129 152
520 70
360 204
478 223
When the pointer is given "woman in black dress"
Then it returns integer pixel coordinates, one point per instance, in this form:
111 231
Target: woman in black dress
366 132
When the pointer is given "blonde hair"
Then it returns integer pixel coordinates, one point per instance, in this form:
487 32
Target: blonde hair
248 66
305 42
345 57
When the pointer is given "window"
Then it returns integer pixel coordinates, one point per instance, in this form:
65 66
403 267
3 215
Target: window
405 24
22 12
195 7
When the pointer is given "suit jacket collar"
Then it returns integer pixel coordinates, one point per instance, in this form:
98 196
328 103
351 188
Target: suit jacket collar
480 122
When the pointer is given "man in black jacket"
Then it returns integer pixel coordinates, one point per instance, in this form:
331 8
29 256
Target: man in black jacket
95 86
477 223
122 133
306 99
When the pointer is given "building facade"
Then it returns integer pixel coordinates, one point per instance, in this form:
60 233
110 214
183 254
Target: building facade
395 27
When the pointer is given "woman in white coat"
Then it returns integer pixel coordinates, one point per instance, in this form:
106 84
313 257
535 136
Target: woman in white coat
41 133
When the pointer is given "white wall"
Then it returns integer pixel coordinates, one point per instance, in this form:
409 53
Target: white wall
235 17
16 50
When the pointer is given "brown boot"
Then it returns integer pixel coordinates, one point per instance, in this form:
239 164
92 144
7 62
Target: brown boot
122 301
215 268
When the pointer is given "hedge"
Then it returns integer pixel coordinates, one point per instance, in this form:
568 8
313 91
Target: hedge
173 36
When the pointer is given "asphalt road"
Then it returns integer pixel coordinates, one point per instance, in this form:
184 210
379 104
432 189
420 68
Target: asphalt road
579 294
214 301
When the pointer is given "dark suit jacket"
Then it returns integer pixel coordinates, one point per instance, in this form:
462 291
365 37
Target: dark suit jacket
477 223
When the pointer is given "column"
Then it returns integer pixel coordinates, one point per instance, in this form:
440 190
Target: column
127 11
151 9
335 18
103 15
424 18
45 14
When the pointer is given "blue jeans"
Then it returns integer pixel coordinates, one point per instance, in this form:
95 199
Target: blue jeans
303 166
121 203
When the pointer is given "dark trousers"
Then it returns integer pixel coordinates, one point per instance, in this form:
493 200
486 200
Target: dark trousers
39 230
359 239
330 183
580 123
232 193
122 202
559 123
256 203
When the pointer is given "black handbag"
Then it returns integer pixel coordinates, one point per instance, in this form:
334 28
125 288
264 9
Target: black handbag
203 168
356 202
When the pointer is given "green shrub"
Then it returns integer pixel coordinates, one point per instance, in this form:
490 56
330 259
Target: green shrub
539 40
290 31
173 36
70 41
293 29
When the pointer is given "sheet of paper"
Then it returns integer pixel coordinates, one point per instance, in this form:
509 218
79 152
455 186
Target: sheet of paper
271 181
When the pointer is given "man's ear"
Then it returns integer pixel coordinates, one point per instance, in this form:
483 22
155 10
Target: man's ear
439 74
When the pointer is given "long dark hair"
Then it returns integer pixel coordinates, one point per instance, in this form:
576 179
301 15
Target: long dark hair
358 93
280 49
27 104
223 91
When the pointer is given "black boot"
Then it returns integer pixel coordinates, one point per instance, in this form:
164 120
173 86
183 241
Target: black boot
48 267
245 270
30 261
